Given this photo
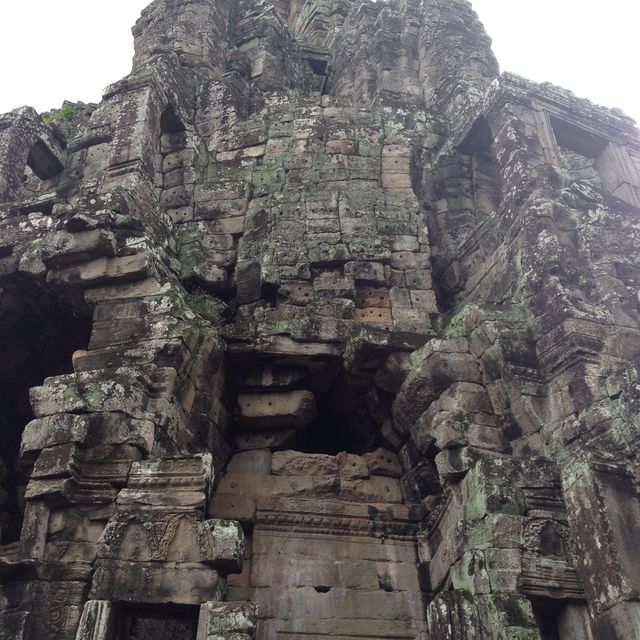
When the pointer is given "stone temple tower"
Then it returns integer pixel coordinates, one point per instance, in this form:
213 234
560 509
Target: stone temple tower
319 327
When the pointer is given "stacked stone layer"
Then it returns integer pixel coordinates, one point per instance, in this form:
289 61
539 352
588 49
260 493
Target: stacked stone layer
319 326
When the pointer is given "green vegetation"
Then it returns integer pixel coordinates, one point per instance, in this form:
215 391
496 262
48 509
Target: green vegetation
207 306
60 116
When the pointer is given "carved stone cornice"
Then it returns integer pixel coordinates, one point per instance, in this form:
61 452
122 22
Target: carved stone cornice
549 578
336 518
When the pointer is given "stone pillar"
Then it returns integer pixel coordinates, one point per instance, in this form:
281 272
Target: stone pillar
621 622
156 549
34 530
619 173
12 625
455 615
97 622
56 610
574 623
604 512
137 138
17 589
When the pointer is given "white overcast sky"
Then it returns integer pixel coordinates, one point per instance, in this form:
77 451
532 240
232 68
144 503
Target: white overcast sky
51 51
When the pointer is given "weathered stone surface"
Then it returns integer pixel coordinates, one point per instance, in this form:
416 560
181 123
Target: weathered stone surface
98 620
291 463
287 409
162 583
276 376
265 438
375 490
318 296
91 429
382 462
227 620
352 467
256 462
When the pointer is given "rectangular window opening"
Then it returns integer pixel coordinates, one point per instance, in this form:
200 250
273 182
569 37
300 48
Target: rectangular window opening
157 622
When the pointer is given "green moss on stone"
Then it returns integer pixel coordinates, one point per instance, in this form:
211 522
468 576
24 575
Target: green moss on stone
61 115
207 306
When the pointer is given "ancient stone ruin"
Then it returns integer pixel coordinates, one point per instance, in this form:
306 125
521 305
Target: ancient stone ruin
318 326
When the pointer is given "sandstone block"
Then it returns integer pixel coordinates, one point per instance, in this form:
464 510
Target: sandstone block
278 486
57 461
264 439
93 429
375 489
227 620
293 463
396 164
470 573
139 289
103 271
226 550
395 369
208 274
365 272
99 619
352 466
504 567
286 409
152 582
436 367
295 572
53 430
454 463
125 390
450 613
66 248
373 316
329 168
376 297
254 462
281 376
400 181
335 605
382 462
449 432
487 437
231 505
279 543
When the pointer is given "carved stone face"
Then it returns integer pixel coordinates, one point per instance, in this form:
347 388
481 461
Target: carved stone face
311 21
552 540
547 537
401 343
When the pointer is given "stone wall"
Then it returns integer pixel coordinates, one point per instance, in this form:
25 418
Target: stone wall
319 326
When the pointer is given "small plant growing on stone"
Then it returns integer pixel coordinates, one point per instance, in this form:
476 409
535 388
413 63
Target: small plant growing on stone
61 115
207 306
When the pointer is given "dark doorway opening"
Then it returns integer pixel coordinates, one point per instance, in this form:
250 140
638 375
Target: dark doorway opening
161 622
349 410
38 337
546 615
